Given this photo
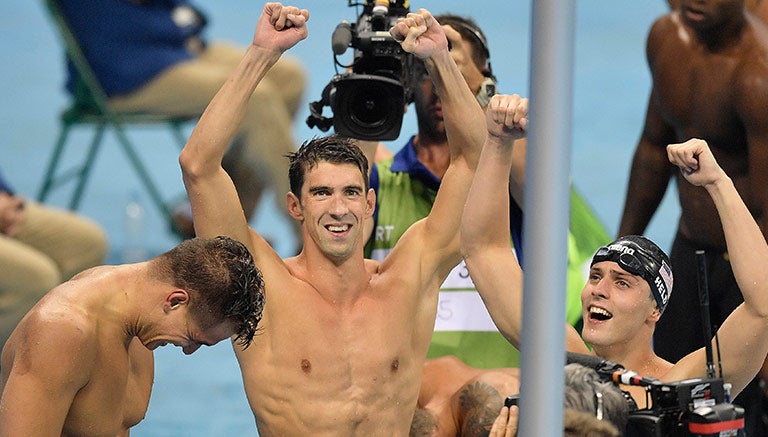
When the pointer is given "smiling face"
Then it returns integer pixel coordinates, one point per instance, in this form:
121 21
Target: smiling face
333 207
616 306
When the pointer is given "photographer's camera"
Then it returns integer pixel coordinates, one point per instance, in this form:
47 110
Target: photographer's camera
368 99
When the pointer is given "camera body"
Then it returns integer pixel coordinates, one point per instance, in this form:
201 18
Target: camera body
368 99
693 407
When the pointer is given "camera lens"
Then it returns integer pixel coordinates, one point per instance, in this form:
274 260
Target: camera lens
368 107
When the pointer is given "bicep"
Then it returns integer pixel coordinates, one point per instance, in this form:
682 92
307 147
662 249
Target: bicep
743 345
216 207
44 377
741 351
444 219
499 280
30 392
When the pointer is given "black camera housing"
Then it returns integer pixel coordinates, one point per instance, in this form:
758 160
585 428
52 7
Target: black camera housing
693 407
512 400
368 100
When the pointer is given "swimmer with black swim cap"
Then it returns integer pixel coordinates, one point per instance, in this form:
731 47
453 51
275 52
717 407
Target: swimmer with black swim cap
642 257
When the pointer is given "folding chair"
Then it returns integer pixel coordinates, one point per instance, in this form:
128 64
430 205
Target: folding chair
89 107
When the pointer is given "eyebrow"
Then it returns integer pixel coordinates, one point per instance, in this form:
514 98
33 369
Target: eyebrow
315 189
615 272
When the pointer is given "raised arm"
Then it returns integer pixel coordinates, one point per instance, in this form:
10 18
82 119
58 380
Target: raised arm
420 34
216 209
485 225
743 336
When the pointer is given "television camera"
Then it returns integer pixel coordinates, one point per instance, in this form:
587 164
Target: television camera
368 98
692 407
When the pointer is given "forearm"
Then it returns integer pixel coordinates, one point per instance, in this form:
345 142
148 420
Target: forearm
517 174
486 213
463 116
485 240
221 119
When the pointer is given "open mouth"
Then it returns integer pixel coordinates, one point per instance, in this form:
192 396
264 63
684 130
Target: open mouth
599 314
337 228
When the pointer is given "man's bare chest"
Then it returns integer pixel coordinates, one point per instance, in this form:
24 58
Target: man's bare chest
697 98
116 396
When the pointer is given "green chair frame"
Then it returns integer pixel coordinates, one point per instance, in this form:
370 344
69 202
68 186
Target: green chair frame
90 107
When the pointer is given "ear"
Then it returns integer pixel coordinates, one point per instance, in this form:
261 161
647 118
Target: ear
370 201
294 206
655 314
175 299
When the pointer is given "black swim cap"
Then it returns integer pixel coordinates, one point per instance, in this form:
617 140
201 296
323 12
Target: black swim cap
642 257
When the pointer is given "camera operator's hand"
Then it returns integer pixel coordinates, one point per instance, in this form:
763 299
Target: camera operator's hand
11 214
696 162
507 117
419 33
505 424
280 27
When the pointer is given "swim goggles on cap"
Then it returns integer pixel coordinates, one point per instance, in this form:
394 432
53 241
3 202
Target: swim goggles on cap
636 261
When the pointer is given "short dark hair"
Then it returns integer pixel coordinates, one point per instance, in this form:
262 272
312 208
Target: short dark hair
470 32
222 280
335 149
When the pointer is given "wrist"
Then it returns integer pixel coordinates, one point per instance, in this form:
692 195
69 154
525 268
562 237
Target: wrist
719 185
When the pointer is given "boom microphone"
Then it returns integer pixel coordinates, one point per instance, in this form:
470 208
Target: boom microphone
609 370
341 38
591 361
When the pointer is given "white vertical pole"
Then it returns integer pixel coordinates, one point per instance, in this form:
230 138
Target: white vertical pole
547 212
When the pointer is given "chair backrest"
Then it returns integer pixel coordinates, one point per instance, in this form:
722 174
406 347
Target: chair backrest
89 96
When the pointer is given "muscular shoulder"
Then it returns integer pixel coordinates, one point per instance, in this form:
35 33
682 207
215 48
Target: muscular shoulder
54 341
667 29
750 81
70 326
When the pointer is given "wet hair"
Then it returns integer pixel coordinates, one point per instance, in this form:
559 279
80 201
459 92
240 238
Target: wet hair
470 32
583 388
222 280
334 149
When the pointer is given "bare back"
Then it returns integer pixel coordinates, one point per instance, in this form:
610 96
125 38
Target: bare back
74 366
718 94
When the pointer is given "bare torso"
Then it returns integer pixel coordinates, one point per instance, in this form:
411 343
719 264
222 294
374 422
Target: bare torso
339 368
117 396
117 375
697 92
